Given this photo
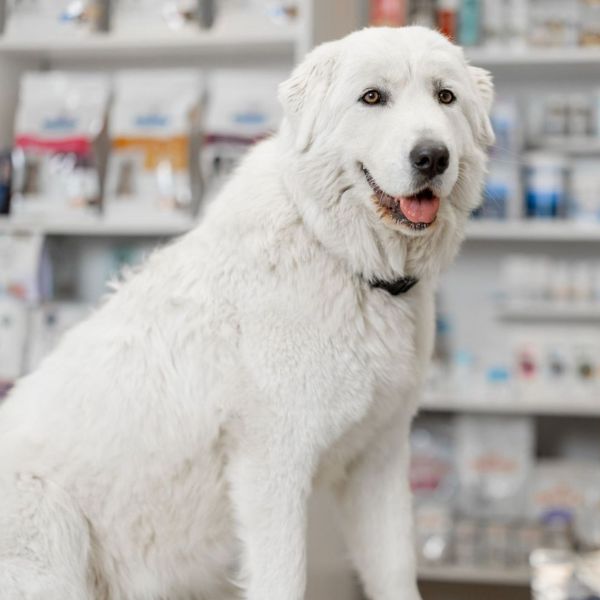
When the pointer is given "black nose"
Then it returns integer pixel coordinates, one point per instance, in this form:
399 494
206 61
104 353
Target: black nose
430 158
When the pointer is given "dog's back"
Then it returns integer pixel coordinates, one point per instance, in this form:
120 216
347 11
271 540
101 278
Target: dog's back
116 444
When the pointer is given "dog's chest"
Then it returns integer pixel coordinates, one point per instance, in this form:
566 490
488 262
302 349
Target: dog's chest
392 364
390 338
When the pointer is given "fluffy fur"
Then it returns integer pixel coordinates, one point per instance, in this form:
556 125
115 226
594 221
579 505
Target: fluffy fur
167 448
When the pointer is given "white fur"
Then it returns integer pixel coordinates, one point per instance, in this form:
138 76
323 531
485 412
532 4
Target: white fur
167 447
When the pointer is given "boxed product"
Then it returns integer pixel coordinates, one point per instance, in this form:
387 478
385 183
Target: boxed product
54 18
154 137
494 458
503 182
554 23
584 205
57 158
242 109
433 482
565 496
24 268
432 472
13 337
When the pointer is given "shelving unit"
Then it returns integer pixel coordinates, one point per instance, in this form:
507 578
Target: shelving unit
274 42
576 145
476 269
98 228
548 311
516 576
532 231
514 403
523 58
491 231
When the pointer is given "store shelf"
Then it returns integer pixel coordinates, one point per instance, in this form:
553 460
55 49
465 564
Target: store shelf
477 230
97 228
251 42
531 404
516 576
534 57
543 311
533 231
577 145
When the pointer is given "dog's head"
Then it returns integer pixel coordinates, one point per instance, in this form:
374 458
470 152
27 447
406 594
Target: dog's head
394 123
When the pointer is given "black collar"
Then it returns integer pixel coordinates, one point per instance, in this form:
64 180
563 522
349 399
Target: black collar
396 287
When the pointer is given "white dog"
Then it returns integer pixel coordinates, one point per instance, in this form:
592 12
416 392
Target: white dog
168 446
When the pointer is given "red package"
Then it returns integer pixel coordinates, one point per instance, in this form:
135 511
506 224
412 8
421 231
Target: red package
388 13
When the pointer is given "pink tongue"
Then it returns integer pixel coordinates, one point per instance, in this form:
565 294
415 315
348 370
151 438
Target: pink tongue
419 211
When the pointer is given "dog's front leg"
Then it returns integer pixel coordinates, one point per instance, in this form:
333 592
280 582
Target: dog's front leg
375 505
270 484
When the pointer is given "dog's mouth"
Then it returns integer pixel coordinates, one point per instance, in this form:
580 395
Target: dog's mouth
418 211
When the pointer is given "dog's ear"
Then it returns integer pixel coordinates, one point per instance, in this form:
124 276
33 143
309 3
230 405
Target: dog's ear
484 87
302 95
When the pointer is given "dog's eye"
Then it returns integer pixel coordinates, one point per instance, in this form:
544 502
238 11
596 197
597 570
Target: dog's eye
446 96
372 97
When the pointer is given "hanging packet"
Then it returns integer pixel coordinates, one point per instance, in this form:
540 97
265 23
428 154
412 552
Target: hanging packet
57 158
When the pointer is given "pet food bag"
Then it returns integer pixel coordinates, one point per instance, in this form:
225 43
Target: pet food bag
55 18
155 17
494 458
57 156
153 166
242 109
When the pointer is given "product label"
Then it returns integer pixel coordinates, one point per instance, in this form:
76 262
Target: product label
174 150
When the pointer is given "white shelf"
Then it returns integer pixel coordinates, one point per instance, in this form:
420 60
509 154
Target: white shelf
533 231
534 57
97 228
577 145
562 405
275 42
516 576
477 230
542 311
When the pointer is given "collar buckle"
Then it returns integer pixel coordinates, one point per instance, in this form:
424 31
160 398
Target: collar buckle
397 287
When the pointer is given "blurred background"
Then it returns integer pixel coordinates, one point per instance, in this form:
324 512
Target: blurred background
119 120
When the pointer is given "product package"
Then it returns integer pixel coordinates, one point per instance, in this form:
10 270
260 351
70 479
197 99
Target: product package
494 458
58 159
154 136
554 23
24 267
447 17
5 181
13 337
155 17
469 32
242 109
565 497
254 15
422 12
545 185
503 182
48 323
584 202
55 18
390 13
433 482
